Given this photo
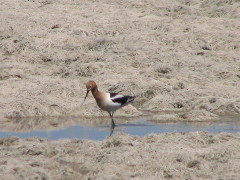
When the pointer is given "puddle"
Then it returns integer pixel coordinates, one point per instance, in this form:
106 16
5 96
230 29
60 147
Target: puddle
139 128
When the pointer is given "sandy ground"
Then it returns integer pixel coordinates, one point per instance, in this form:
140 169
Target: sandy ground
181 57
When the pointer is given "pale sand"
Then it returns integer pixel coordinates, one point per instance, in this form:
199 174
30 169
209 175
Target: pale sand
181 57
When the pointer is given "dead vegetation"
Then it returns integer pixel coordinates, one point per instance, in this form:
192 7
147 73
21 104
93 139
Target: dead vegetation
176 55
179 51
165 156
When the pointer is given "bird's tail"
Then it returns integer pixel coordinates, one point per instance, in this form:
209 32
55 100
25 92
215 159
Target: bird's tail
131 98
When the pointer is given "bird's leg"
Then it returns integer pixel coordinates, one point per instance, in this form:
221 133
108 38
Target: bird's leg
113 124
111 116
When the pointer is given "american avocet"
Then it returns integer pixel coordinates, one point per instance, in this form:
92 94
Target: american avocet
109 102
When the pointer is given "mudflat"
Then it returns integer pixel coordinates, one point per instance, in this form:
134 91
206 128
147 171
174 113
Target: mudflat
180 57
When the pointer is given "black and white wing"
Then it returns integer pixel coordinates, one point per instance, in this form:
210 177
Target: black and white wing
120 99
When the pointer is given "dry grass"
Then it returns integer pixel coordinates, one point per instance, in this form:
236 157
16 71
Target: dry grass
173 55
134 48
171 156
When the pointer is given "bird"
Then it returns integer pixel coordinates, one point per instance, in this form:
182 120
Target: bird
109 102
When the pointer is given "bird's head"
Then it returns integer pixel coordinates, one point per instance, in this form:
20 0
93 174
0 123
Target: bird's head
90 85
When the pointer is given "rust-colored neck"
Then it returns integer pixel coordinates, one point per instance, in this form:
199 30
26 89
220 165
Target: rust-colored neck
95 92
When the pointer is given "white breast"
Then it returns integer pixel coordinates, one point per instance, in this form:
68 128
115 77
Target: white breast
108 104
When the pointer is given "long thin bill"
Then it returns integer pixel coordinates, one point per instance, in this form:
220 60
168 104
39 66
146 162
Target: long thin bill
85 96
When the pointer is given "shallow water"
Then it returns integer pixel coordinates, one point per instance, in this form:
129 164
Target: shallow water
139 128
